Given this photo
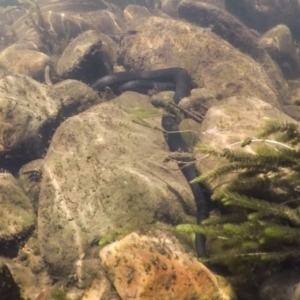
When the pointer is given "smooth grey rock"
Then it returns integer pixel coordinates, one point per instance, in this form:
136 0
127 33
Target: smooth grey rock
170 7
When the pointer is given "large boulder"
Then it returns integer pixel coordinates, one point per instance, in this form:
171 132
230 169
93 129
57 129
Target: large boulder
104 172
159 43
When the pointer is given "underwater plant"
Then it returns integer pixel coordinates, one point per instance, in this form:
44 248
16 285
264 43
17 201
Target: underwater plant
38 22
258 220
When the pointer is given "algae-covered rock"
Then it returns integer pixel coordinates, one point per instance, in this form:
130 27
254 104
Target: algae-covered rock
104 172
16 214
27 107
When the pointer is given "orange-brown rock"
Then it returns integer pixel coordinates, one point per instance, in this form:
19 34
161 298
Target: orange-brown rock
143 267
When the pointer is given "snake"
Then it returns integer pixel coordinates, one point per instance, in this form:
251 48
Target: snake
179 80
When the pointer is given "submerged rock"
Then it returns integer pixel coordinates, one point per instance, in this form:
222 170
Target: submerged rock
25 62
17 214
30 113
228 123
144 267
279 43
82 61
28 108
157 42
104 172
233 31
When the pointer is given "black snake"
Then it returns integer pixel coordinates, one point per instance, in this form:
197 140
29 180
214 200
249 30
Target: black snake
180 80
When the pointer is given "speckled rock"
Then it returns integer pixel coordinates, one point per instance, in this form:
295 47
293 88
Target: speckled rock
159 43
96 179
17 215
24 61
144 267
279 43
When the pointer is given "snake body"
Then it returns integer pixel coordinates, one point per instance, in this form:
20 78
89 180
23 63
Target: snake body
180 77
180 80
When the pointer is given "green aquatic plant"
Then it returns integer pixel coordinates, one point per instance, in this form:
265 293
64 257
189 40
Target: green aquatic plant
59 294
139 115
37 21
53 42
258 221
